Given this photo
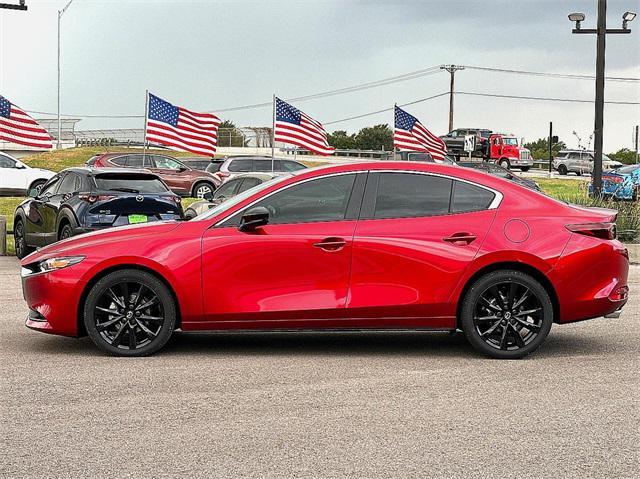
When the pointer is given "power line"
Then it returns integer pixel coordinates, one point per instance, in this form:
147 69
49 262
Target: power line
550 75
517 97
385 109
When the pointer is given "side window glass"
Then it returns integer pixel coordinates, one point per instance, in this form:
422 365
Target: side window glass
6 162
265 165
68 184
134 161
240 165
322 199
405 195
468 197
50 187
248 183
120 161
228 189
165 163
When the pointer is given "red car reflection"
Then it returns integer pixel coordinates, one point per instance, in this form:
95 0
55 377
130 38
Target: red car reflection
380 245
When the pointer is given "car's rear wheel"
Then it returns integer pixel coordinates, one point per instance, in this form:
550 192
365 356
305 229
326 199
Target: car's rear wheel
506 314
525 168
20 240
202 188
562 169
129 313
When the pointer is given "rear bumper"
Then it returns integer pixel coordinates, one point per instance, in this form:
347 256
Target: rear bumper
591 278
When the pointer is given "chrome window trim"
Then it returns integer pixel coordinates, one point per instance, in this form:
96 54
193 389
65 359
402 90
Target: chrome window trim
494 204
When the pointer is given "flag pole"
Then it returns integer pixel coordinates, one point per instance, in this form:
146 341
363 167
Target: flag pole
273 134
395 105
144 137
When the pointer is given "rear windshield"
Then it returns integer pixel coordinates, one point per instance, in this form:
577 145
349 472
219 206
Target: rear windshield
130 183
213 167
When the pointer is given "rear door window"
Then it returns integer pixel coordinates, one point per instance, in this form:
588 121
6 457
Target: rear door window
468 197
248 183
134 161
406 195
228 189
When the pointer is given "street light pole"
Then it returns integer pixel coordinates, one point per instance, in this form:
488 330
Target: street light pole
60 13
601 33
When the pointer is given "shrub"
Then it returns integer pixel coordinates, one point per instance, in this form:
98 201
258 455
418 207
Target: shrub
628 222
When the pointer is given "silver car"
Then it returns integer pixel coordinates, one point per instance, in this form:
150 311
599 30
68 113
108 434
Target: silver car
228 189
581 161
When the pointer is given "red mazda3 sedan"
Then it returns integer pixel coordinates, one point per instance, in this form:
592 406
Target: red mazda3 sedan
383 245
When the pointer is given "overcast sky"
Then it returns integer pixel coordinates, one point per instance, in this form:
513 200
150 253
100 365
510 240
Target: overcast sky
218 54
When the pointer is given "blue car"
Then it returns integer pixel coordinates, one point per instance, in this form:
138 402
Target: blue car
621 184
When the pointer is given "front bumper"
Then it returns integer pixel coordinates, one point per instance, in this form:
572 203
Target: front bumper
53 300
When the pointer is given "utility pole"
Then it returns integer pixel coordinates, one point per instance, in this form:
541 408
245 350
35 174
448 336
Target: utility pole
452 71
601 33
636 142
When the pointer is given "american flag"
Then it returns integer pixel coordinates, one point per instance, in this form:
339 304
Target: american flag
18 127
181 129
297 128
410 135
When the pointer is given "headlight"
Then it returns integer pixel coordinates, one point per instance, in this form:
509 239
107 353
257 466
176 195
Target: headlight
51 264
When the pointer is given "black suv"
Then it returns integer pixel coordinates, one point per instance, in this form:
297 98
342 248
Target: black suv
78 200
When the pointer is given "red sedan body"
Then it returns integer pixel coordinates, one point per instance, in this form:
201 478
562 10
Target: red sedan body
359 272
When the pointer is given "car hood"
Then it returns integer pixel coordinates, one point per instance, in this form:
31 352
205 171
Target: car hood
100 240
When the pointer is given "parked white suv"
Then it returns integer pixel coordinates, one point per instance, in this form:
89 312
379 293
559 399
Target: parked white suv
581 161
16 178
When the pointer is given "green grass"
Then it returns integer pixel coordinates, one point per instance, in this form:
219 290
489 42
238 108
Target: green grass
57 160
560 188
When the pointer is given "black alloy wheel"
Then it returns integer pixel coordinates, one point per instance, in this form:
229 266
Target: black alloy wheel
66 232
20 240
507 314
130 313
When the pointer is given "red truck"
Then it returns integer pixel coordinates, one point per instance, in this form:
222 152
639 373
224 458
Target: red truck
500 148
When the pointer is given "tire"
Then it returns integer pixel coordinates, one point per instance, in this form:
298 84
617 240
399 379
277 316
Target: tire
20 240
492 317
132 330
578 173
504 163
562 170
525 168
37 184
201 188
189 215
65 232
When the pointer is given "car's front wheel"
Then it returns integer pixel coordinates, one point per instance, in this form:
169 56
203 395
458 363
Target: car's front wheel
129 313
504 163
20 240
506 314
562 169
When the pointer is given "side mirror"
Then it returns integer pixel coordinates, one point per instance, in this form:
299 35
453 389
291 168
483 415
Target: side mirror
254 218
182 168
207 196
33 193
20 166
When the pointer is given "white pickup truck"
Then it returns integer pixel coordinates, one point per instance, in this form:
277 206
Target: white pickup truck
16 178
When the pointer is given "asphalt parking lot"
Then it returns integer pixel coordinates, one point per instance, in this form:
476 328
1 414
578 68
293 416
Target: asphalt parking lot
319 405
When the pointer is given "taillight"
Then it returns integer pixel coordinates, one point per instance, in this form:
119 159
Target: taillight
177 199
605 231
223 174
94 198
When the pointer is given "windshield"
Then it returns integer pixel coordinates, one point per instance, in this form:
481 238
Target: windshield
224 206
511 141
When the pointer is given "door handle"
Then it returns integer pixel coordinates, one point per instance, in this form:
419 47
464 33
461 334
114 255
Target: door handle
331 244
458 238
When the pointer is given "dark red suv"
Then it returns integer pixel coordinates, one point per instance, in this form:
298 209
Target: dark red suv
180 178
